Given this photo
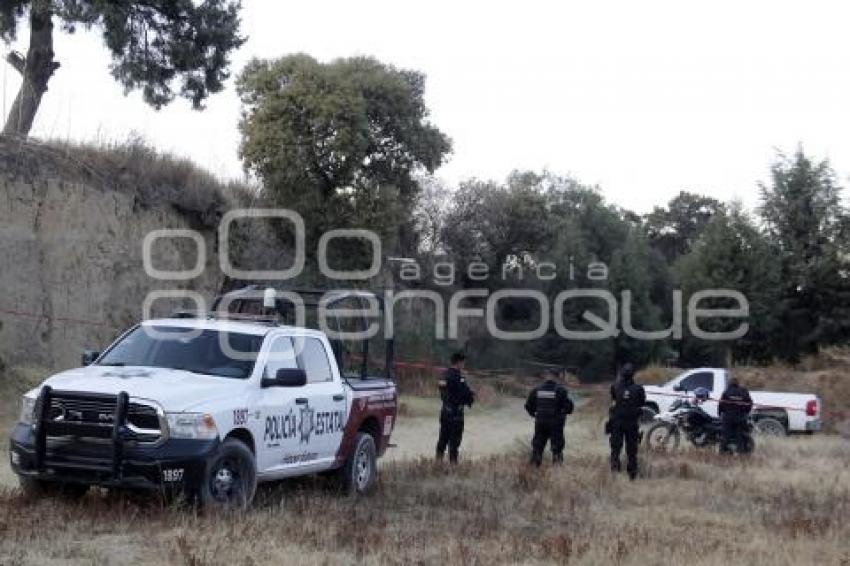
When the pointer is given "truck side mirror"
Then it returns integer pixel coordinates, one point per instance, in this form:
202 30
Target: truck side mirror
285 377
89 357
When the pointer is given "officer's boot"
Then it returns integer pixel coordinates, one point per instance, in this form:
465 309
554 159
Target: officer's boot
536 459
557 458
615 464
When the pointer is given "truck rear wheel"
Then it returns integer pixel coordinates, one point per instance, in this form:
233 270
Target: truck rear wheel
769 426
360 471
230 477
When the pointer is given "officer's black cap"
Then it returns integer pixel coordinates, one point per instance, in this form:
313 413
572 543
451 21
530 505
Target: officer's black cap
458 357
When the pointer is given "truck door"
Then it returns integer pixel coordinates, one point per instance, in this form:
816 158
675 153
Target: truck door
326 403
279 421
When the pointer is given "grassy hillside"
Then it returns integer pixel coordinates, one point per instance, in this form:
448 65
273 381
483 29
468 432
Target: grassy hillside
132 166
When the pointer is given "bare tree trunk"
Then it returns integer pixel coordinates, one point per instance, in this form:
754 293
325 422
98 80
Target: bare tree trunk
36 70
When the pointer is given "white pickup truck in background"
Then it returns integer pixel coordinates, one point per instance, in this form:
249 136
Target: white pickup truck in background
773 413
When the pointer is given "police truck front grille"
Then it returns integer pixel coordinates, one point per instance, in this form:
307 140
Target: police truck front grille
71 427
93 415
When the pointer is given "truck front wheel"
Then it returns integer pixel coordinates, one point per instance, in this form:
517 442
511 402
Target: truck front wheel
230 477
358 474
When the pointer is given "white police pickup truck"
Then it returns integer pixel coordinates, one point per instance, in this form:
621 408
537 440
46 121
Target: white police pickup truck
207 406
773 413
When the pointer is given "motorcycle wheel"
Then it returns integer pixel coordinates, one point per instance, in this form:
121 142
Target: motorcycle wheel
662 437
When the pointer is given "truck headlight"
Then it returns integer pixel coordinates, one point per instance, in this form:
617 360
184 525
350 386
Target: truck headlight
27 410
191 425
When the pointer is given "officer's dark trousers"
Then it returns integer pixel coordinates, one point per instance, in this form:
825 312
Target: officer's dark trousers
548 431
733 433
451 434
625 431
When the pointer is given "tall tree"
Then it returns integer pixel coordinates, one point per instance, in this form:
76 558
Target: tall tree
630 271
340 142
733 254
803 214
498 223
154 43
430 212
674 229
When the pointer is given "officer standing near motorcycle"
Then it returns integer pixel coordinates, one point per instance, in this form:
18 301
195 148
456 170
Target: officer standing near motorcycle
549 403
734 409
628 399
455 394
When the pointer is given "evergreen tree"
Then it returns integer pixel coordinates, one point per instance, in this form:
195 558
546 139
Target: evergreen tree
806 222
153 45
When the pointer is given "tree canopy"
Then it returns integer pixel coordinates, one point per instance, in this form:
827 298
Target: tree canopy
341 142
806 222
675 228
348 144
166 48
791 261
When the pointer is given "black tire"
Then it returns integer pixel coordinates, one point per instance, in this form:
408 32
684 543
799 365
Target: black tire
358 475
662 437
230 477
36 489
769 426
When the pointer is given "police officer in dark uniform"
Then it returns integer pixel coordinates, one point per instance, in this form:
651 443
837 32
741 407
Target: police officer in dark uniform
735 406
456 395
549 404
628 399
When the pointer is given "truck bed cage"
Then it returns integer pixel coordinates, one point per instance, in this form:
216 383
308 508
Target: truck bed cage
247 298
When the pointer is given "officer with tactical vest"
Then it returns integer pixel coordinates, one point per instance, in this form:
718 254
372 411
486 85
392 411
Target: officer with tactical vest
549 404
455 394
734 408
628 399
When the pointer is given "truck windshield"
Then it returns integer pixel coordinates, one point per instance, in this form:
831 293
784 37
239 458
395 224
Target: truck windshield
224 354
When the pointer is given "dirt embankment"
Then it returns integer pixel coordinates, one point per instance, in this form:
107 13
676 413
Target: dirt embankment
72 225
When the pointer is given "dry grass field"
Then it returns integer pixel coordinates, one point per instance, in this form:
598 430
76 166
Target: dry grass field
787 504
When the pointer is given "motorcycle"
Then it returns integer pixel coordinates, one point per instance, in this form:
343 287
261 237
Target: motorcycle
686 417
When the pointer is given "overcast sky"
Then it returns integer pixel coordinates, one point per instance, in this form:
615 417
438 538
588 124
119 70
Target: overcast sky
643 98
